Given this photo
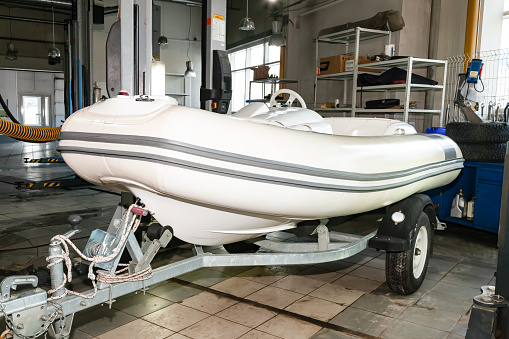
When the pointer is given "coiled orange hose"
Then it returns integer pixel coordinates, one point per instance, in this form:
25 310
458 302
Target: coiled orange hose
28 133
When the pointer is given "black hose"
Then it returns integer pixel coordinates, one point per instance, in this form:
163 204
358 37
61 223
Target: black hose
6 109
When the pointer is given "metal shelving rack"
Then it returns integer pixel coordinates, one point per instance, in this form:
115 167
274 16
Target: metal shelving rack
273 82
186 88
358 34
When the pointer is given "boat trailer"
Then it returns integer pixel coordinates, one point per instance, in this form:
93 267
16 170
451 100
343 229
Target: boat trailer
32 312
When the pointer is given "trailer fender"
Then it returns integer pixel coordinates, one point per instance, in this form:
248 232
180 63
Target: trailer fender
396 230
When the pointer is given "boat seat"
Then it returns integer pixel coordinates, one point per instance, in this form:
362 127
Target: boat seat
297 118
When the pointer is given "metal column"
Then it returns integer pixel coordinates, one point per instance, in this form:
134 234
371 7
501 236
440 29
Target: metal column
127 45
355 72
490 313
213 38
81 54
502 284
133 35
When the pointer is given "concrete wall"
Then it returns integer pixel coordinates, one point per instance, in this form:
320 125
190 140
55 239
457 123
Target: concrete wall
8 89
453 16
16 83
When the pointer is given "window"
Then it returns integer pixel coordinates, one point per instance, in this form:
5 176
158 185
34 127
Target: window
241 61
505 26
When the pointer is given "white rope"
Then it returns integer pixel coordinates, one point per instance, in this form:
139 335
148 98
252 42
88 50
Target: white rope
119 276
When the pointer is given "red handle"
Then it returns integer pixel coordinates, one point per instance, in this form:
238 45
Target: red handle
139 211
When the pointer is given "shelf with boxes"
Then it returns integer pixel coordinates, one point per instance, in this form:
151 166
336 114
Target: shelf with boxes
348 67
261 76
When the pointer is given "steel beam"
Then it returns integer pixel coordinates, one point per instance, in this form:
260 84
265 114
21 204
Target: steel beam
63 4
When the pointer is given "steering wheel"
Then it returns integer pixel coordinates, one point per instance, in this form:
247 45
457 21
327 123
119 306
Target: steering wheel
293 96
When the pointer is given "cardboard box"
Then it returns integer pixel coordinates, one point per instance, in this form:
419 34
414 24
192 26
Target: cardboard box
349 64
333 64
342 63
260 72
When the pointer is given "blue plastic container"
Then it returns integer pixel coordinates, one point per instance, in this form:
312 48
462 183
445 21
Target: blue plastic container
436 130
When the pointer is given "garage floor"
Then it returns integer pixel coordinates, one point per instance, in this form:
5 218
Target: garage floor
343 299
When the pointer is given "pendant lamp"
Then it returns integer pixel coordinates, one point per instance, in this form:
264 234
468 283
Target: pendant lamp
247 24
277 38
53 52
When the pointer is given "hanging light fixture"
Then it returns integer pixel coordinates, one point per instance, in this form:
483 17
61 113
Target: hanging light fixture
162 40
247 24
277 38
189 73
53 52
12 52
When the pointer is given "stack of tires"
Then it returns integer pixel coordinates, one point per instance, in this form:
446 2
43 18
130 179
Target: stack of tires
485 142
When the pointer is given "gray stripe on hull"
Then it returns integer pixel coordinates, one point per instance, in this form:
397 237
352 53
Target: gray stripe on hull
449 151
247 160
248 176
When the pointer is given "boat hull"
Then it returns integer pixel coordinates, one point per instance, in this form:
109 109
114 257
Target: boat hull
217 179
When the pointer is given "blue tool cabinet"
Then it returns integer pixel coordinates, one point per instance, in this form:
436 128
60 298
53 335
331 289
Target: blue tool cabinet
480 179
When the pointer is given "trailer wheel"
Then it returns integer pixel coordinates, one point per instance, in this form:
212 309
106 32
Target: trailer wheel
405 271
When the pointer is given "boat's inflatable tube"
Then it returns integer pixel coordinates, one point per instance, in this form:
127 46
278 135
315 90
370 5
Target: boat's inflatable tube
218 179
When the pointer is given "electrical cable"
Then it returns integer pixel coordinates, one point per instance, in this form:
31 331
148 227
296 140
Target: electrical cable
189 33
7 110
10 23
482 83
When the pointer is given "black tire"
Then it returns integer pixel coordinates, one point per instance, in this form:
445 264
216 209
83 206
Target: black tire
241 247
483 152
399 266
471 132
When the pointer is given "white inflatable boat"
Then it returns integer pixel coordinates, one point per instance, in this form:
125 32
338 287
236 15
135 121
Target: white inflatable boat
218 179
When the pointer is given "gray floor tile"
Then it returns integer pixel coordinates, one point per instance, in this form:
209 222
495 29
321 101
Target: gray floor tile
77 334
327 333
140 305
362 321
451 290
371 273
340 266
231 271
402 329
174 292
380 305
205 277
385 291
465 280
357 283
444 303
99 320
358 259
462 326
376 263
438 319
441 265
